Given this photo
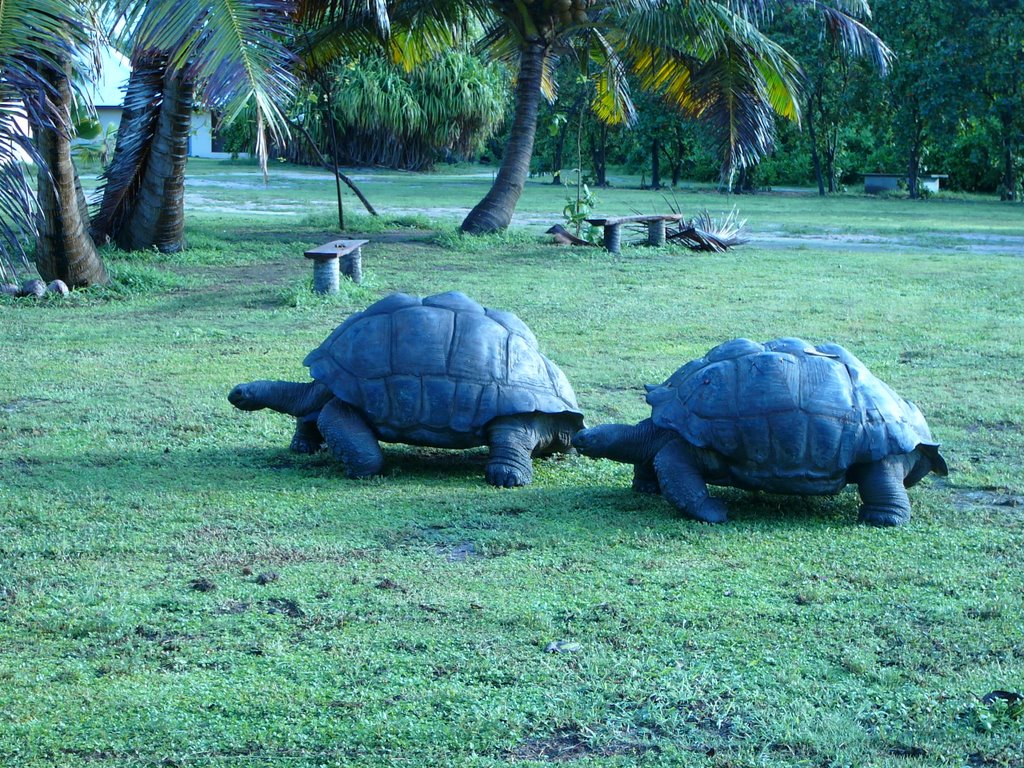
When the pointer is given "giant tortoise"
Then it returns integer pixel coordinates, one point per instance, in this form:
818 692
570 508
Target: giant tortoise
439 371
782 417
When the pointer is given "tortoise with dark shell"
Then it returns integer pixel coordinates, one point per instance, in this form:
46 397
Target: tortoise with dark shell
784 417
439 371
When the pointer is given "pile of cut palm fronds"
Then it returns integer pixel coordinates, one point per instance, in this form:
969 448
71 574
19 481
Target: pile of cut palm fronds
704 233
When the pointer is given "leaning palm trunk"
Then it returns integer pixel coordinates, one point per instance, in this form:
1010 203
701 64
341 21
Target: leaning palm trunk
65 251
157 216
494 212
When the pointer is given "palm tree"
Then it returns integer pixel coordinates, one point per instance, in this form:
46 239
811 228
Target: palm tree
64 250
37 42
230 49
227 54
708 58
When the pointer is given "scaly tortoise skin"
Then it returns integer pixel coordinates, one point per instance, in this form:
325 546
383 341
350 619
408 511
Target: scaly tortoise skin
439 371
783 417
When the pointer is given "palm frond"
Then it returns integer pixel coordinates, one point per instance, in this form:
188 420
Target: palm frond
234 50
736 106
346 13
854 38
612 103
413 46
18 205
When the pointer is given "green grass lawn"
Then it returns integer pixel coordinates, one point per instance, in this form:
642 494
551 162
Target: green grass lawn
178 589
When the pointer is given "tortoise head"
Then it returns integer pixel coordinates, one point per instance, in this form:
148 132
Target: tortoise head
556 432
630 444
926 459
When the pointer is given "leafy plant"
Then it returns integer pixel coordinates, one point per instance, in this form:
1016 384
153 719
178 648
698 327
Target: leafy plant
577 209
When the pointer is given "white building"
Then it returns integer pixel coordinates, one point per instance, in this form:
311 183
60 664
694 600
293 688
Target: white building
106 93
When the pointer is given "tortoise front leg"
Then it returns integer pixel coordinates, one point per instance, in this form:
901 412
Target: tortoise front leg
884 498
645 479
682 483
512 440
307 437
350 439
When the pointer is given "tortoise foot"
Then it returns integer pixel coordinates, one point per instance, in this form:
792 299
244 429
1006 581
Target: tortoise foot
508 476
646 485
882 516
710 511
302 444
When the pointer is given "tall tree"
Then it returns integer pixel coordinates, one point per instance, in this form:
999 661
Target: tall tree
927 94
997 34
826 97
37 41
708 58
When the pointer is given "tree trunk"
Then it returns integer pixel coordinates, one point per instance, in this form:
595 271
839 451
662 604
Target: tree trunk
914 171
121 179
815 156
656 163
494 212
1009 192
675 162
65 251
830 168
157 218
556 165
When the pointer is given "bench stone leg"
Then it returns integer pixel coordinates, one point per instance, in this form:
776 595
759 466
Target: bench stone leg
325 275
352 265
656 232
612 237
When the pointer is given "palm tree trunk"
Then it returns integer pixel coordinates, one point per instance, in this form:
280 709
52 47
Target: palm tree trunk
158 216
65 251
494 212
123 176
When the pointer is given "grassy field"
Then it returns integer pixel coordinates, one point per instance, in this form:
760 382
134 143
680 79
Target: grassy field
178 589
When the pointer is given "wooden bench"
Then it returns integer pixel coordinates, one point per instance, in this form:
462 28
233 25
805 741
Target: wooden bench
613 228
328 257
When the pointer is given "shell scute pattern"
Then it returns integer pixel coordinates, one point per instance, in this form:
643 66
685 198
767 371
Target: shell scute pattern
477 352
787 409
415 353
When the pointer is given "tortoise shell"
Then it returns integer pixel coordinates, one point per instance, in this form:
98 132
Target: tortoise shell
436 370
787 415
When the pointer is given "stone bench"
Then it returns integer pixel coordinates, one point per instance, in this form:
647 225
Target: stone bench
344 256
613 228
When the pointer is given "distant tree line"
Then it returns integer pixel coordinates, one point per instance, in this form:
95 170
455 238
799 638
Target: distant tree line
952 103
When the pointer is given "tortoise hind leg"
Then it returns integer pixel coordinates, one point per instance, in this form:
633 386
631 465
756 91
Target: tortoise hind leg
350 439
682 483
884 498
